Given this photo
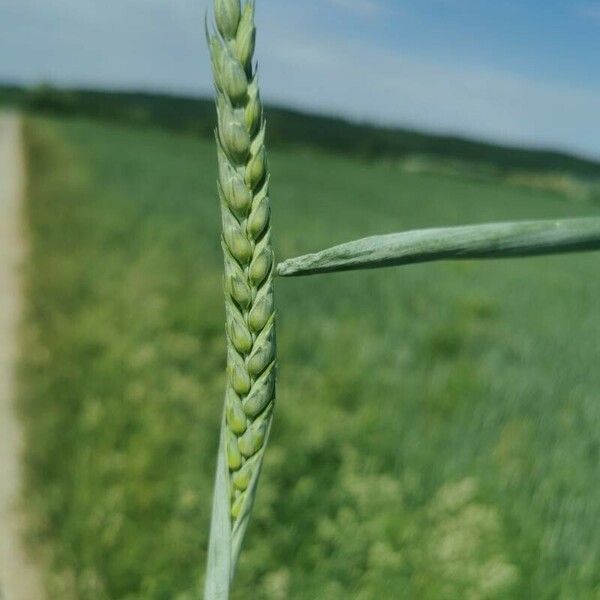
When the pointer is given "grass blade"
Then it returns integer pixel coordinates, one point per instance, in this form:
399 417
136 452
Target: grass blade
493 240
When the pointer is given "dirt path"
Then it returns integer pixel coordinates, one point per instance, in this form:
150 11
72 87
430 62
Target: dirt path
18 578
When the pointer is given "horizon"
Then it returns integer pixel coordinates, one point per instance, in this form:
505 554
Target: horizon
521 75
315 113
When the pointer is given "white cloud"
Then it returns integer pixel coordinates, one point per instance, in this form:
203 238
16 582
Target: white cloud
364 82
360 7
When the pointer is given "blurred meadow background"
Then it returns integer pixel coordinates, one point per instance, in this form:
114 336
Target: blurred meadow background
437 434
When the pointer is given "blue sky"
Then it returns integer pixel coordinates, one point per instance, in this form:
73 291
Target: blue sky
517 71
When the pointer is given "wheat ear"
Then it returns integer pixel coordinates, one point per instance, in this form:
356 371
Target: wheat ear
249 268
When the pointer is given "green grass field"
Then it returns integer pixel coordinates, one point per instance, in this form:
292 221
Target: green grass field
437 434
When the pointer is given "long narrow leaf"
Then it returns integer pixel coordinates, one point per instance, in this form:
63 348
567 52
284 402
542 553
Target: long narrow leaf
493 240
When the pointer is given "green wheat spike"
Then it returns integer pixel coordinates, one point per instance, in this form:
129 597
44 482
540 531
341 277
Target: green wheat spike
243 189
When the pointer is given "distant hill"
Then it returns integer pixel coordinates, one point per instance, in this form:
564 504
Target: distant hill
196 116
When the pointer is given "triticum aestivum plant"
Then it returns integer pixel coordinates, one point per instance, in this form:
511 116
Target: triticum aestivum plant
243 188
249 269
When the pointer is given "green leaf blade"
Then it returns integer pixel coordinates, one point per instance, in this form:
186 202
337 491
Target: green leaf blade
487 241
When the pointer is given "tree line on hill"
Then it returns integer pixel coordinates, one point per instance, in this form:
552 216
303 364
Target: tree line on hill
196 116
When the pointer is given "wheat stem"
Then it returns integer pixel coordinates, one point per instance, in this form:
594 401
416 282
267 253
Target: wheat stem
243 187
